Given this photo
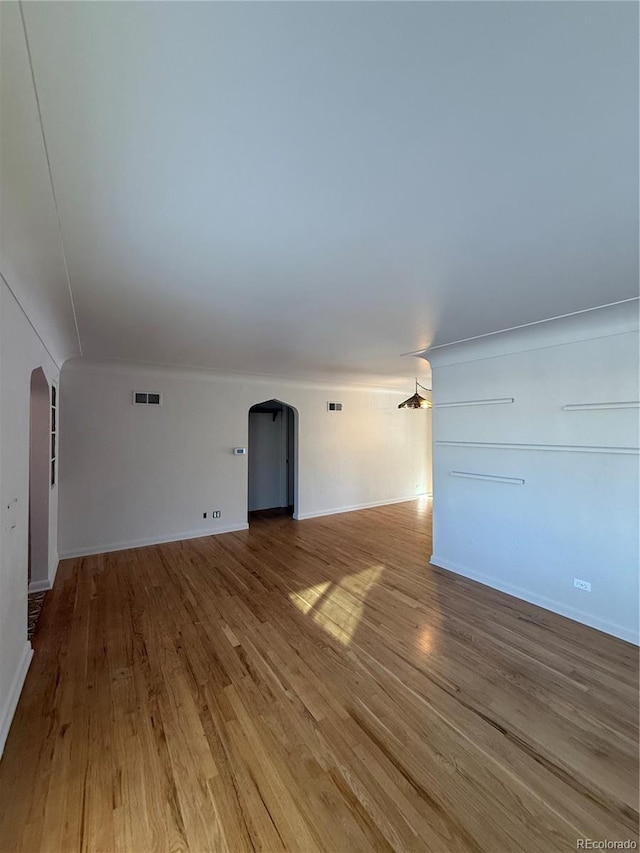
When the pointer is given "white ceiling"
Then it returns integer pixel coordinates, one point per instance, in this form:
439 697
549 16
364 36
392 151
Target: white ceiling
315 188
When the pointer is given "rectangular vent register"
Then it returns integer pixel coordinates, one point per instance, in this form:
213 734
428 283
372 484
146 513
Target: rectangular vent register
147 398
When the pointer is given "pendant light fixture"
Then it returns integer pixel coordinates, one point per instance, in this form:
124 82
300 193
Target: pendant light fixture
416 401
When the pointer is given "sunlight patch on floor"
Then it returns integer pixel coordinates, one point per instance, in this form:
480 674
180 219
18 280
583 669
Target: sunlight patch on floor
305 600
424 504
426 640
338 608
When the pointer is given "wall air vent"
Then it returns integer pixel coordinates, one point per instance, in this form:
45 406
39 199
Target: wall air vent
147 398
334 407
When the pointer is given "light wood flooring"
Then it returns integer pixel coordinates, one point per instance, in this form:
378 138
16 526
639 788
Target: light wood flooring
314 686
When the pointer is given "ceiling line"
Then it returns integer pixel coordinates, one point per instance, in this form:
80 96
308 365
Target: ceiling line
53 189
229 373
29 321
420 352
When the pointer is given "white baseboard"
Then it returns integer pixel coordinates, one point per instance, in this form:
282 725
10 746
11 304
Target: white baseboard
337 510
53 570
11 702
108 547
40 586
607 627
47 584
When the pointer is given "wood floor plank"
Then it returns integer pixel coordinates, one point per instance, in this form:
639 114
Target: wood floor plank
314 686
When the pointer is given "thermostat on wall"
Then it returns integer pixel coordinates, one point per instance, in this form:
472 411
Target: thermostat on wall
239 451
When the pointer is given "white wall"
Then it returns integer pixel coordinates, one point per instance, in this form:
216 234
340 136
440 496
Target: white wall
133 475
20 353
530 492
32 271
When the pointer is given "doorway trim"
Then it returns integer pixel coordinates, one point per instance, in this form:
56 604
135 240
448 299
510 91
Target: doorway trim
39 482
296 449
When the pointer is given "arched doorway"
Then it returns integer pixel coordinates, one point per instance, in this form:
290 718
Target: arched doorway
40 456
272 463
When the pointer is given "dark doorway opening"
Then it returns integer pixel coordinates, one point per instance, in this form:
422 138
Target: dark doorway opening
272 460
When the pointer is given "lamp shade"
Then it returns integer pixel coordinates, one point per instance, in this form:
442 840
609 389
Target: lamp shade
416 401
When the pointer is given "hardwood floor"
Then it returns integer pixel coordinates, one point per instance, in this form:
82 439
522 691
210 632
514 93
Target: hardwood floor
312 686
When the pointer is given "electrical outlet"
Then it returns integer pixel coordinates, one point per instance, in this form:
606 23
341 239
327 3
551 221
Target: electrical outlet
585 585
204 514
216 513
